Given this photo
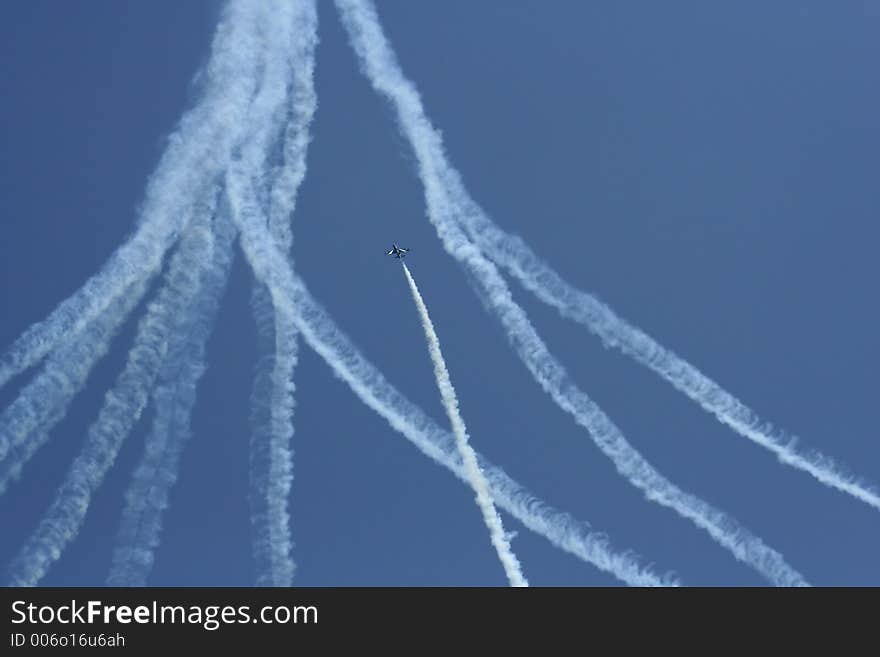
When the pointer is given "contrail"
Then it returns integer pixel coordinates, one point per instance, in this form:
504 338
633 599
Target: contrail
122 407
368 383
473 474
291 300
261 434
278 344
25 425
272 540
289 174
513 254
174 398
196 153
380 65
271 452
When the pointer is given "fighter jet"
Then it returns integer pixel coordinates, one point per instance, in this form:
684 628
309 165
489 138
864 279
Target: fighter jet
397 251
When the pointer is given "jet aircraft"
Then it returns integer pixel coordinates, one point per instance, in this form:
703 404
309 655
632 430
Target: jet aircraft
397 251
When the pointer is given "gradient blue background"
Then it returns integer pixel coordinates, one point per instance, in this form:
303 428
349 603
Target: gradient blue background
708 169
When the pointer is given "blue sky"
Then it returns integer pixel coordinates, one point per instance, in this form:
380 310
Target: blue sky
709 171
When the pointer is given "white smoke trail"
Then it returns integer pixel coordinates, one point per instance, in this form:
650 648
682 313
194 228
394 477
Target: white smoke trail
537 276
380 65
25 425
174 398
474 475
272 540
292 301
273 395
271 415
261 435
368 383
289 174
196 153
122 407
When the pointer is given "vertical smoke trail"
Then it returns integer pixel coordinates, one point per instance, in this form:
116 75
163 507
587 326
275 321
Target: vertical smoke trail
25 425
272 542
288 176
273 369
196 153
380 65
261 435
261 418
473 474
122 407
368 383
174 398
513 254
273 394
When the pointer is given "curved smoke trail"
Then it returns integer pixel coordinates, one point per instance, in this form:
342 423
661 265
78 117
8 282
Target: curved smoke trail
292 301
25 425
122 407
368 383
380 65
474 475
174 398
535 275
196 153
514 255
